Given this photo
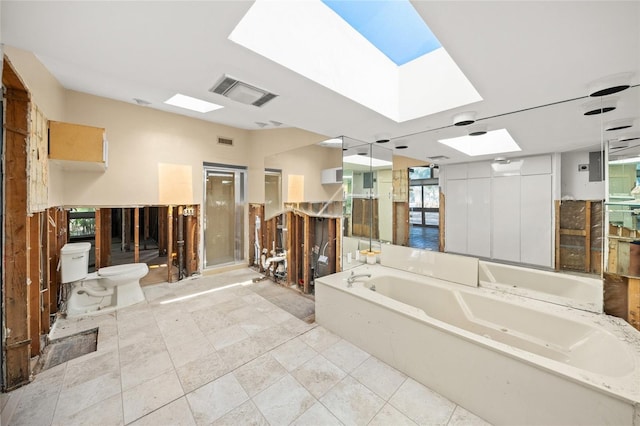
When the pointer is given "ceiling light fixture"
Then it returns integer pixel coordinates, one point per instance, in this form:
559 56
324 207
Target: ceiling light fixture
600 106
618 125
141 102
401 144
193 104
478 131
382 141
464 118
493 142
610 84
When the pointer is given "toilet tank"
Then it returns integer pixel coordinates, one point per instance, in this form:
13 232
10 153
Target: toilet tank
74 261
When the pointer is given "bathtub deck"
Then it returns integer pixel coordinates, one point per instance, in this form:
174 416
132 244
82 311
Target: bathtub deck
475 371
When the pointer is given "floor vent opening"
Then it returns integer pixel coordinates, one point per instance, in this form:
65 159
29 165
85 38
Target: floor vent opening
66 348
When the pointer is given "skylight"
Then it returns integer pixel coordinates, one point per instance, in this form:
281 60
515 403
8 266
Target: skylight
193 104
394 27
493 142
312 40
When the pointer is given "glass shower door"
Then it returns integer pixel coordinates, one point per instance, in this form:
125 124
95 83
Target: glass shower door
224 201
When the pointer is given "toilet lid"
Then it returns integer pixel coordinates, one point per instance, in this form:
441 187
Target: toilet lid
121 269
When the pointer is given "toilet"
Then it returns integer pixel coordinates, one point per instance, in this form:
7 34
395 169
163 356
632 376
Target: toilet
103 291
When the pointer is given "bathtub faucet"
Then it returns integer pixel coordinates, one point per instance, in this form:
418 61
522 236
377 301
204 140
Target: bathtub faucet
352 278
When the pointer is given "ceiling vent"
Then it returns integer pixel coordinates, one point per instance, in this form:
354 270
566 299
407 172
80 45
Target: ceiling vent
242 92
225 141
438 157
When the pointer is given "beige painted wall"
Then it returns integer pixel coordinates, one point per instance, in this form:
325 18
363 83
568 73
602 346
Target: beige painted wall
308 161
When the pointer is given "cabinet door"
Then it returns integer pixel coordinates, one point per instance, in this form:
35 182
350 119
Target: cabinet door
456 216
537 220
505 198
479 217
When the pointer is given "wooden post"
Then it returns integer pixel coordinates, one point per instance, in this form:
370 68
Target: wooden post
98 240
306 255
291 250
339 245
170 244
16 302
332 254
191 243
634 303
162 233
33 281
146 226
136 235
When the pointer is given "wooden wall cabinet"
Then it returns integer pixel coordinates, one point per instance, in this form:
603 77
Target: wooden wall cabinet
77 147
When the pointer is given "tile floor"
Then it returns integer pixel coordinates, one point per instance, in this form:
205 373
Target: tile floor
225 357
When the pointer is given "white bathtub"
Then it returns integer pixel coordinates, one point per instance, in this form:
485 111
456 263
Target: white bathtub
509 360
563 289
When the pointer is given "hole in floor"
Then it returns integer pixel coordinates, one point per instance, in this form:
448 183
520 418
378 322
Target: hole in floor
67 348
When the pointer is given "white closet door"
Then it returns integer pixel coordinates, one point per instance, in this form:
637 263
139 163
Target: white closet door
456 216
537 220
505 196
479 217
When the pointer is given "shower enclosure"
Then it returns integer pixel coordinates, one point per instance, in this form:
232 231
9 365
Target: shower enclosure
224 200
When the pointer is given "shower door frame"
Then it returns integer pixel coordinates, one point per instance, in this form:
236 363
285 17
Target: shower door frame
240 195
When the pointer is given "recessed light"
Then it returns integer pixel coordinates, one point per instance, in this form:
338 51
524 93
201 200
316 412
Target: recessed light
193 104
382 141
618 125
600 106
610 85
478 131
401 147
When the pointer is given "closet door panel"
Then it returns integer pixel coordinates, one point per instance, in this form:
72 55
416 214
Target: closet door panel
479 217
537 220
456 217
505 198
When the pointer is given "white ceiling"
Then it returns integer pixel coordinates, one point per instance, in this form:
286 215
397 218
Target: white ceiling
519 55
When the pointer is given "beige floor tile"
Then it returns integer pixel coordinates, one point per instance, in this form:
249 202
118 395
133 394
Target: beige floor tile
189 350
351 402
151 395
144 369
388 415
105 413
381 378
240 353
317 415
421 404
227 336
88 393
284 401
345 355
318 375
245 414
279 316
257 324
320 338
293 354
176 413
90 366
462 417
201 371
273 337
259 374
296 325
214 400
145 346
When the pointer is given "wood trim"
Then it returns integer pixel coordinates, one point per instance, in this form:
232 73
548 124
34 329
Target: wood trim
33 281
575 232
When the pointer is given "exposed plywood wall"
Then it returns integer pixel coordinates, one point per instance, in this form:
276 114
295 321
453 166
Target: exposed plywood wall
37 161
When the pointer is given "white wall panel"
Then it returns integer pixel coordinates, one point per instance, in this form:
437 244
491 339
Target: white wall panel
540 165
456 171
505 197
479 217
479 170
456 216
537 220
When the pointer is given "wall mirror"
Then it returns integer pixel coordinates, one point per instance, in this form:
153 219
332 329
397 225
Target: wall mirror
621 135
368 197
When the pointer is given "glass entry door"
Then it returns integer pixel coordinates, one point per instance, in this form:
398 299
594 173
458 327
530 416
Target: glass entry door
224 215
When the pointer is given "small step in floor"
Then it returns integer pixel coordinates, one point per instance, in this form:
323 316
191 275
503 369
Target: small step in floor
67 348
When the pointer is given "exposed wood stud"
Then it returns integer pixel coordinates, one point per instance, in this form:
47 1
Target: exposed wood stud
169 248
